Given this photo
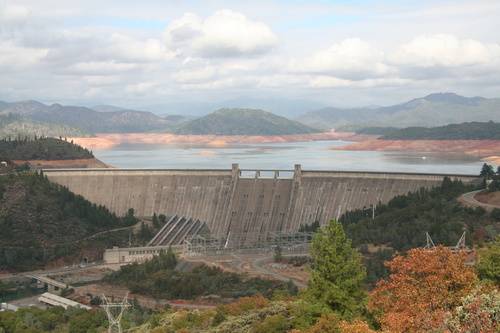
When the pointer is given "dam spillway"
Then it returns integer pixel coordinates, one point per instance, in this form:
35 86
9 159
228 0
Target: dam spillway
239 202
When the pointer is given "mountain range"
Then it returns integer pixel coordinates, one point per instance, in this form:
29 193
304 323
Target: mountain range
433 110
239 119
120 121
288 108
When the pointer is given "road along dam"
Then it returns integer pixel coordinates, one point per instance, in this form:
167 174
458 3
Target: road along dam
238 203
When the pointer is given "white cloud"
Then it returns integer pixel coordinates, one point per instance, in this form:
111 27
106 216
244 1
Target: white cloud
99 67
133 50
352 59
15 58
445 50
204 74
223 34
13 15
160 50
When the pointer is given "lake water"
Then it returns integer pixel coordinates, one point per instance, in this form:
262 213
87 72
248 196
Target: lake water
283 156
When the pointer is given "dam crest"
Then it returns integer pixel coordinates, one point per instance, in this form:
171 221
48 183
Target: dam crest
241 202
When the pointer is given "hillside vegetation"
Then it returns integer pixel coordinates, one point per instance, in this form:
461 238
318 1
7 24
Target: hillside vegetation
41 222
243 122
464 131
14 125
42 149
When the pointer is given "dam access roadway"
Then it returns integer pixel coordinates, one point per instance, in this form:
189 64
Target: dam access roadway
238 204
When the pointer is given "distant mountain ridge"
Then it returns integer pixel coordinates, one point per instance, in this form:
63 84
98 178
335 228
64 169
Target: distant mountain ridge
433 110
123 121
288 108
438 109
107 108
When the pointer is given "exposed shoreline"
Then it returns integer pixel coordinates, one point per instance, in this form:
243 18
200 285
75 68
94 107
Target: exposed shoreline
105 140
486 150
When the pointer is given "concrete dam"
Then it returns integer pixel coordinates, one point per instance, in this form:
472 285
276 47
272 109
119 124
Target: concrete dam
238 202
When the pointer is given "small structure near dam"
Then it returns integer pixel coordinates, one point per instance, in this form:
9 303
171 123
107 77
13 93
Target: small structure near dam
240 206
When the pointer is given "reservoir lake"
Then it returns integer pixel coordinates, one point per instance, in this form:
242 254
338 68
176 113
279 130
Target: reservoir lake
283 156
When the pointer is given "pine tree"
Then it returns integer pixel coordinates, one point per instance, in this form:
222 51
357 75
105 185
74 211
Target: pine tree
487 171
338 277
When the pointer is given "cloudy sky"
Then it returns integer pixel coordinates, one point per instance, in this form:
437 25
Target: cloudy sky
343 53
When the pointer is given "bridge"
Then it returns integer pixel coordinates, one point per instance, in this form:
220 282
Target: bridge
53 286
240 204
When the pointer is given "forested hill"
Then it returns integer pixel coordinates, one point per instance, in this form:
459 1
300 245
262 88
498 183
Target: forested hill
42 149
15 124
465 131
244 122
42 222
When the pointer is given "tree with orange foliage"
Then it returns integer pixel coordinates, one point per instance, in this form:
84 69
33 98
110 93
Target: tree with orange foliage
423 287
332 324
256 301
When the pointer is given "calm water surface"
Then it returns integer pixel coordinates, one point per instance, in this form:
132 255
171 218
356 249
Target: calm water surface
283 156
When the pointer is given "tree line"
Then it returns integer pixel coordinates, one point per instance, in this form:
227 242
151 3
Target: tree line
465 131
35 148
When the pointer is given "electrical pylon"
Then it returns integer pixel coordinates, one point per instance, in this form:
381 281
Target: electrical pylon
430 244
115 317
461 245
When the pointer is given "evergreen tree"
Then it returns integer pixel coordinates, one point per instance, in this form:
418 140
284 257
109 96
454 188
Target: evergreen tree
487 171
338 277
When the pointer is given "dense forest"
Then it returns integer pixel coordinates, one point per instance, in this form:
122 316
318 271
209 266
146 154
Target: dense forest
41 221
404 220
465 131
41 149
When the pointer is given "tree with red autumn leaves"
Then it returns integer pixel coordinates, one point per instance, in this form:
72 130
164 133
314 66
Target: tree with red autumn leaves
424 287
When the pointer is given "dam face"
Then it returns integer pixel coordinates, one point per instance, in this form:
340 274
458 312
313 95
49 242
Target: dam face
243 203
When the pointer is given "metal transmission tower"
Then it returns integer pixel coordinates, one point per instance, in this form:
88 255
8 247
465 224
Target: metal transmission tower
430 244
115 310
461 245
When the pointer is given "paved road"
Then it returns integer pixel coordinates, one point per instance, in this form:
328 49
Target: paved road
469 197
